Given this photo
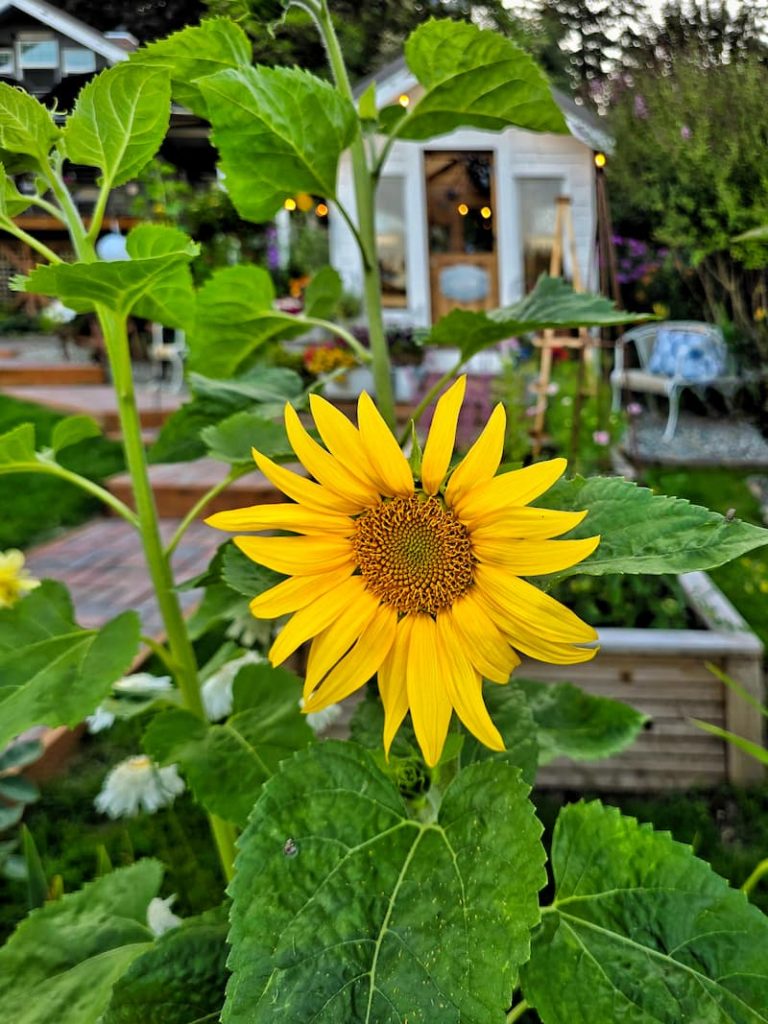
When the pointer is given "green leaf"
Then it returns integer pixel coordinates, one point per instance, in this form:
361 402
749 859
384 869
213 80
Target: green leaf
18 445
279 131
26 126
381 918
270 386
366 105
752 749
323 293
571 723
510 710
179 980
120 119
472 79
12 202
244 575
226 765
155 283
62 961
642 931
219 606
194 53
552 303
642 532
37 883
73 429
17 789
232 439
234 317
21 754
52 672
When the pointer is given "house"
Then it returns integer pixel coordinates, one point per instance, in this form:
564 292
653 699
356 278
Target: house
466 220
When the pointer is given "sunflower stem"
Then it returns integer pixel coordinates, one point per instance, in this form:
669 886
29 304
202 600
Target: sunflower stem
430 396
760 871
517 1011
365 236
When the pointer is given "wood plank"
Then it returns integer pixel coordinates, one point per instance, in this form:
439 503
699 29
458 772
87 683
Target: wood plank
17 372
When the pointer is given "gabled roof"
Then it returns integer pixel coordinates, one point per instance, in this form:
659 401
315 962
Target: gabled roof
396 77
53 18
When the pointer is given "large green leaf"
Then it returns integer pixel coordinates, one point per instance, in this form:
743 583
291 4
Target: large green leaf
233 438
234 317
643 932
154 283
571 723
242 574
279 131
510 711
179 980
12 202
226 765
64 958
323 293
26 126
381 918
52 672
552 303
120 119
473 79
196 52
642 532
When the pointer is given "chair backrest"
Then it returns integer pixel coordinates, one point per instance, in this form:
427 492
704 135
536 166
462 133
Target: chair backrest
644 336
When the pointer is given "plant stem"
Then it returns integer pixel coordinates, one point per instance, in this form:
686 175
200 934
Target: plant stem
160 652
98 211
234 474
54 469
6 224
517 1011
760 871
366 227
430 396
360 351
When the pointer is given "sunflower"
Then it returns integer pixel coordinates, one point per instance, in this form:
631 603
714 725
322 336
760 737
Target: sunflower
417 581
15 581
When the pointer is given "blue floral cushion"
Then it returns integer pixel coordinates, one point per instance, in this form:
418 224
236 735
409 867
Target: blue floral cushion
691 356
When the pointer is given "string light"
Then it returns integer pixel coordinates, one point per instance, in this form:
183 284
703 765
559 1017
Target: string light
485 212
463 209
600 160
290 205
321 210
404 99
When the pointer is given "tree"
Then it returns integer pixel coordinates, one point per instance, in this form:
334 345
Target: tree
147 20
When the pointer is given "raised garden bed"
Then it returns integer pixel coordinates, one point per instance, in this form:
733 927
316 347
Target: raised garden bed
663 673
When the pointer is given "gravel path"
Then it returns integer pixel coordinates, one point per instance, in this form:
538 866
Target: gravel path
698 441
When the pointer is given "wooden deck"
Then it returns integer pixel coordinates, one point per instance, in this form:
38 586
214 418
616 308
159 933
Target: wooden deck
24 372
100 402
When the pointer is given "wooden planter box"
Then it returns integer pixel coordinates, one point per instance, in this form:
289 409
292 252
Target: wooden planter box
663 674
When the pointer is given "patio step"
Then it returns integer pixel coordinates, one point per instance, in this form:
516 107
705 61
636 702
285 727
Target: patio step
100 402
178 486
15 372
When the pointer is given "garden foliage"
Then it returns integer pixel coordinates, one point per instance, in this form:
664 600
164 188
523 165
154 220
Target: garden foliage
363 889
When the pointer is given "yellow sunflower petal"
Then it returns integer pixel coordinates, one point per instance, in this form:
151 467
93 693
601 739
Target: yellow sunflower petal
382 450
341 437
297 592
362 662
442 437
302 490
428 700
526 558
521 602
334 642
327 470
297 556
392 682
482 460
515 488
281 517
487 647
528 640
527 524
464 686
315 617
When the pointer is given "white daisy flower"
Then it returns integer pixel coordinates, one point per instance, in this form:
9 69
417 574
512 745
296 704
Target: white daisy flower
319 721
142 684
217 689
138 784
100 720
160 917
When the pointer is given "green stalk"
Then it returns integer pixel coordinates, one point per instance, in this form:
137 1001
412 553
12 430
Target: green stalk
54 469
6 224
517 1011
760 871
234 474
430 396
366 226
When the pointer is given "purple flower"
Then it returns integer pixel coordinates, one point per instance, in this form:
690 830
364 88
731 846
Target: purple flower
685 133
601 437
634 409
640 107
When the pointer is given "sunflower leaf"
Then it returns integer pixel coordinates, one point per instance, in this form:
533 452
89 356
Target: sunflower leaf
226 765
64 958
279 131
512 716
232 439
552 303
642 532
52 672
641 930
323 293
412 903
571 723
471 79
26 126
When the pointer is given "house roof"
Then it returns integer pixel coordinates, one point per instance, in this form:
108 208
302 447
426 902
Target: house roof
53 18
587 127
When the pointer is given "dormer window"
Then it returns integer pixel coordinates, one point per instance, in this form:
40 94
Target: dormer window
38 51
77 60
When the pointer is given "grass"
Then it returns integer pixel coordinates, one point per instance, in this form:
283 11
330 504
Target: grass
745 580
33 507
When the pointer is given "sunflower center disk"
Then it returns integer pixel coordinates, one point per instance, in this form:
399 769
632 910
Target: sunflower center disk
414 554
